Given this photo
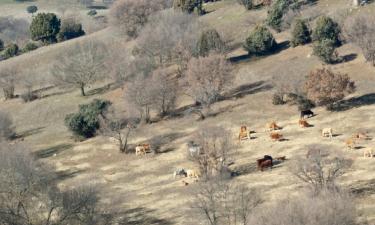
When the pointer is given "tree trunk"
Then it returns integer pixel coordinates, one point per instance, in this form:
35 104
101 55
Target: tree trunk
83 93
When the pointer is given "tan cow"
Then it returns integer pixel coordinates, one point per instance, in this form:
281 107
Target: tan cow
273 126
142 149
276 136
244 134
303 123
327 132
361 136
350 143
192 174
368 153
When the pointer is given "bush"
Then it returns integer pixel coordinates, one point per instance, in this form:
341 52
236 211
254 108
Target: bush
301 33
247 3
304 103
325 50
275 14
277 99
29 47
45 27
86 121
29 96
325 87
260 41
6 126
209 41
327 28
1 45
189 6
32 9
70 29
92 12
11 50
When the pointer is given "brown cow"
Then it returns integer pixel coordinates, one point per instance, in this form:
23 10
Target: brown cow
273 126
303 123
142 149
264 164
244 134
276 136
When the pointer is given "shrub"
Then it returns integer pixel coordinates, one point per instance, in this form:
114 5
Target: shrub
92 12
29 96
1 45
189 6
86 121
275 14
327 28
247 3
11 50
325 87
260 41
6 126
304 103
325 50
301 33
45 27
277 99
209 41
70 29
29 47
32 9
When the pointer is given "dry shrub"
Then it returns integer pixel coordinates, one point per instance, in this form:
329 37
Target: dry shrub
8 78
6 126
327 208
219 202
325 87
360 30
320 169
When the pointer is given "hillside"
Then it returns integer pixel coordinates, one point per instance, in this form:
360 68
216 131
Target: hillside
143 186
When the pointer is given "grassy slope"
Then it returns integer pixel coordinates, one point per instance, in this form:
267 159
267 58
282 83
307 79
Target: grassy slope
146 183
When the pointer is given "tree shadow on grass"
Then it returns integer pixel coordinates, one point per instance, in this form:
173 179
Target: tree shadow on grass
48 152
101 90
27 133
344 105
247 89
141 216
68 174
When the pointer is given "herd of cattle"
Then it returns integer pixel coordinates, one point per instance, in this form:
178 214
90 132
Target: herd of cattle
275 135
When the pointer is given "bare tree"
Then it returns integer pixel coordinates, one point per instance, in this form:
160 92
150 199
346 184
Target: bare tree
8 78
28 194
131 15
218 203
326 208
216 146
118 127
206 79
164 91
320 169
81 66
169 37
6 126
360 30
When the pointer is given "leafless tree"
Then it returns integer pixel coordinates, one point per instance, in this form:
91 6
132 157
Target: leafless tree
360 30
81 66
164 91
131 15
118 127
28 194
326 208
8 78
206 79
219 202
6 126
320 169
216 147
138 94
169 37
14 30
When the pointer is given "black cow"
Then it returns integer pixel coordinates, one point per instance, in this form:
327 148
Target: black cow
307 113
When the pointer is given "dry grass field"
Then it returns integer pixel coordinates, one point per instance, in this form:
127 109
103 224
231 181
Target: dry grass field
143 186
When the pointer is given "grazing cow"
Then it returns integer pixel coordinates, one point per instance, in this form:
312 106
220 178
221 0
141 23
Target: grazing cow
265 158
142 149
192 174
303 123
264 164
361 135
327 132
179 172
368 153
307 113
244 134
273 126
194 149
350 143
276 136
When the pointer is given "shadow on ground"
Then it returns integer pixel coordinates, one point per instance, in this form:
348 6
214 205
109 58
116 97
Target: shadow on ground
27 133
141 216
344 105
48 152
